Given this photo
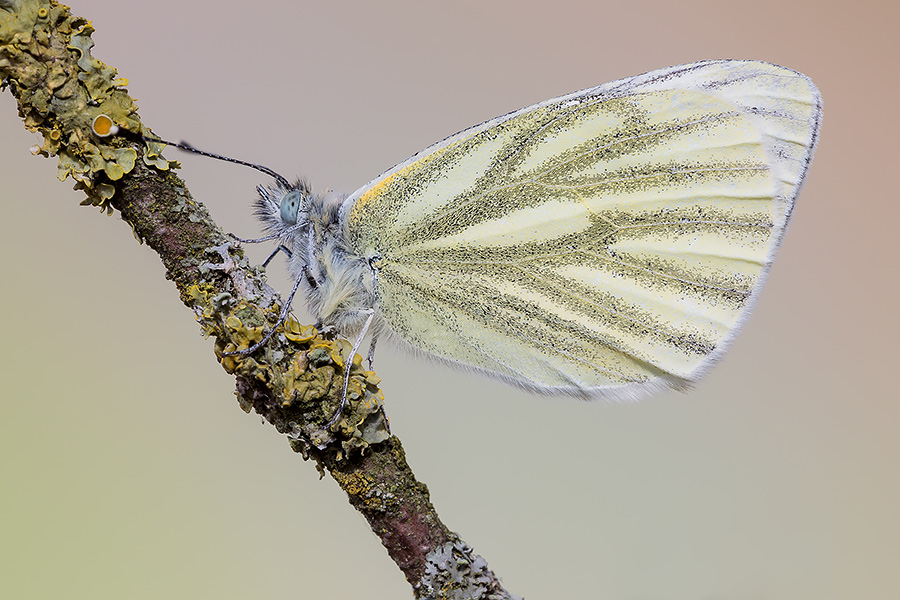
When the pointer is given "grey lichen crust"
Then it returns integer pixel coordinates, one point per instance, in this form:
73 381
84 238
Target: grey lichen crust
454 572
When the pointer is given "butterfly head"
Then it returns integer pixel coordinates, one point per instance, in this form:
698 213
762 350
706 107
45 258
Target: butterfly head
283 206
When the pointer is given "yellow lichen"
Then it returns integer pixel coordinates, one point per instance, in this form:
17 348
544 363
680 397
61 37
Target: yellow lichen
103 126
298 333
45 58
338 350
355 483
88 120
243 335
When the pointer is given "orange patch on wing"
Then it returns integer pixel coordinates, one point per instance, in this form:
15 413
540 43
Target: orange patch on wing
378 188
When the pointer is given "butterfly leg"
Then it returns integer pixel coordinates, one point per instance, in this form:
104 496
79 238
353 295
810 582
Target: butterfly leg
372 265
370 358
348 364
275 253
267 238
281 319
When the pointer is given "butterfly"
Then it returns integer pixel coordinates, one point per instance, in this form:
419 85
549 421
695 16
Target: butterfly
603 244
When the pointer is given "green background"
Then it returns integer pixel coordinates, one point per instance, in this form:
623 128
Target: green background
127 470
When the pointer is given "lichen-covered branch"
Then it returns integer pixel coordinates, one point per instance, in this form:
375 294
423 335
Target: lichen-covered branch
294 382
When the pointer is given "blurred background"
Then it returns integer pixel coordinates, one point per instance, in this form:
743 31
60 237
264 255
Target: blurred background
127 469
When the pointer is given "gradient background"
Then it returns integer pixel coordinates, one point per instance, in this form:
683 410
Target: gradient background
128 470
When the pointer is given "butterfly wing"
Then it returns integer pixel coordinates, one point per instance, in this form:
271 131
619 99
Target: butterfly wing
602 244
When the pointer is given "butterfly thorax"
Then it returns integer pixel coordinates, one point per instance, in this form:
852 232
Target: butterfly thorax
344 294
339 284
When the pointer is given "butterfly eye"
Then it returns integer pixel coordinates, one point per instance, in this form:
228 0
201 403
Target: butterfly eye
290 206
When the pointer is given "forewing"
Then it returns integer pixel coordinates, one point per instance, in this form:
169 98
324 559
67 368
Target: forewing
601 243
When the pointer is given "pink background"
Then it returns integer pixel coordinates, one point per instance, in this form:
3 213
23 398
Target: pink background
128 470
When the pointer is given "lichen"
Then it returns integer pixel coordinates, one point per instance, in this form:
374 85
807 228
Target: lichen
454 572
363 487
45 59
303 368
86 117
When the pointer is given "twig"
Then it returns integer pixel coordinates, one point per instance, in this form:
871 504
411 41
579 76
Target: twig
295 381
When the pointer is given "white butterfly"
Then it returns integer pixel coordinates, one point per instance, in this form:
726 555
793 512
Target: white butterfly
606 243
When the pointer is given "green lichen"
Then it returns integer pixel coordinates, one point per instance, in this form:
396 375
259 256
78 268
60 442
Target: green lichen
304 369
63 91
45 59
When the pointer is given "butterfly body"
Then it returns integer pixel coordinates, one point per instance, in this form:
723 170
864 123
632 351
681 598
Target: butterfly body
339 282
602 244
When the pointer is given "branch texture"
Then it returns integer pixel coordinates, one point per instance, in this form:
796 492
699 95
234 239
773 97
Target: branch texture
295 381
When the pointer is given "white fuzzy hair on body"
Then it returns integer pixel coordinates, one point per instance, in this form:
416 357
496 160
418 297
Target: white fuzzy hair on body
339 285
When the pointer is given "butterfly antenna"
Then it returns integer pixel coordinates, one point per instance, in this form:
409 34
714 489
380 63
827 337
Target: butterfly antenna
188 148
287 305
